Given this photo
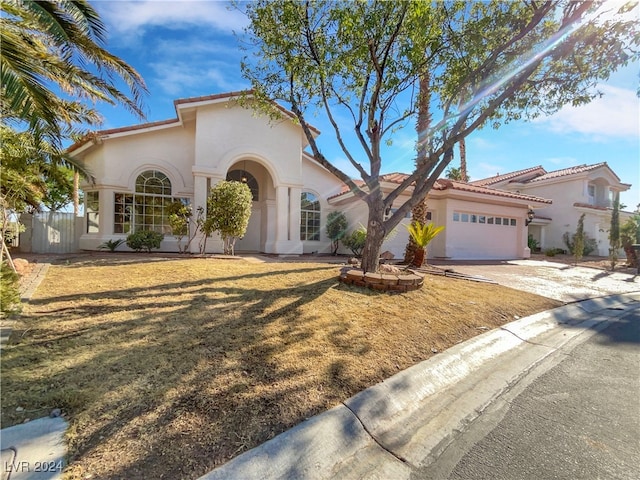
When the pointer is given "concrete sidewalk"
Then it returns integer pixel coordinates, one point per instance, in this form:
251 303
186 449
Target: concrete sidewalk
397 427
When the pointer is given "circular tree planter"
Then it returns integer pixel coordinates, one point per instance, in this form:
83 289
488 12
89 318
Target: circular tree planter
383 282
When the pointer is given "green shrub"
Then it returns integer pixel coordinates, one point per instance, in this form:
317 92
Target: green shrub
111 245
590 245
355 241
9 293
144 240
532 243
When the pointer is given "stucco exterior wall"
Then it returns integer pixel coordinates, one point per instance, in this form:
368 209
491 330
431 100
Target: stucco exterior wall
118 161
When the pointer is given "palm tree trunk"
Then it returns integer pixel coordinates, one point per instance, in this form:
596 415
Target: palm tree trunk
76 193
419 212
463 159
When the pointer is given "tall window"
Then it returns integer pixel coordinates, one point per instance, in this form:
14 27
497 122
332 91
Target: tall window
309 217
92 207
147 208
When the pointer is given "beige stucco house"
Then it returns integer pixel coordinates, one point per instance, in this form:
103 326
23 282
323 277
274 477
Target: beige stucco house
139 170
588 189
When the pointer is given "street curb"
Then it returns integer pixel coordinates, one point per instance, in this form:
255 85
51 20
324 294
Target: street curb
392 428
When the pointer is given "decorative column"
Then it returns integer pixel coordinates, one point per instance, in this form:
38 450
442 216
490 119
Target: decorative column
200 189
294 214
282 216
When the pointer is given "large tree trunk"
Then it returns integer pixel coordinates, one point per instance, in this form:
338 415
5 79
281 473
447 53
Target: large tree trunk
375 237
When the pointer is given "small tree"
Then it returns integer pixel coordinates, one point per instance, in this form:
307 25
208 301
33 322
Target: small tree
422 234
614 232
179 217
578 240
228 212
356 240
336 229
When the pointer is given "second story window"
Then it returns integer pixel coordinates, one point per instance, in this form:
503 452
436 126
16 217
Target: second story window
591 193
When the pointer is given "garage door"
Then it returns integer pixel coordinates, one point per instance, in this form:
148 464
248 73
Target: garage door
482 237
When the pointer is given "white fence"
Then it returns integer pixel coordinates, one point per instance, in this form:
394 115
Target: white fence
50 232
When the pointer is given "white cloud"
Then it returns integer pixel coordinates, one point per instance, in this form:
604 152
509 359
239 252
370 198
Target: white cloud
480 143
486 170
129 18
182 79
614 115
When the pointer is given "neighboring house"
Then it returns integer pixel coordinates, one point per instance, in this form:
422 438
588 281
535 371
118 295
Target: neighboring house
139 170
588 189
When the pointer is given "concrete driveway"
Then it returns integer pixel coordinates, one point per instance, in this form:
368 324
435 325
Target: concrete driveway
549 279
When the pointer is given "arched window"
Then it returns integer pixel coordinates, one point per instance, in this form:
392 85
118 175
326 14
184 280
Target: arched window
153 182
245 177
147 208
309 217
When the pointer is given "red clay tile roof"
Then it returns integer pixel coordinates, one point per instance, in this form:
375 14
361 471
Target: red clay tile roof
542 174
445 184
569 171
594 207
508 176
179 101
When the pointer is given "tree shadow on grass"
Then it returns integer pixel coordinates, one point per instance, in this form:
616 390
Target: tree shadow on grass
174 386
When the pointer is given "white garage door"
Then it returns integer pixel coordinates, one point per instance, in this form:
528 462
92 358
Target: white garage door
482 237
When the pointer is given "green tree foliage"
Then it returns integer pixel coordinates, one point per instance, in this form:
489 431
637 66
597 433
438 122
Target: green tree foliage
422 234
355 241
50 47
493 62
614 232
179 218
589 244
454 173
336 229
228 212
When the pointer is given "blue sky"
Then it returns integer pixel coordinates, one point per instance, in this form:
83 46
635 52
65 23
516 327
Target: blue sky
187 49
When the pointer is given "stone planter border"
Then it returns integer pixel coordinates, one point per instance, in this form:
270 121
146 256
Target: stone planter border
383 282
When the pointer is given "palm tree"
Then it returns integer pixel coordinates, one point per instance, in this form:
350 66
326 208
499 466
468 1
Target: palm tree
419 212
50 50
463 159
422 234
454 173
49 43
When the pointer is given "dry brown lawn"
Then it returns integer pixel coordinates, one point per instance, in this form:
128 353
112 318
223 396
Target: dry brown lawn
167 368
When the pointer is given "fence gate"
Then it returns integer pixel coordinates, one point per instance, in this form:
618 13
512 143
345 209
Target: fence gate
50 232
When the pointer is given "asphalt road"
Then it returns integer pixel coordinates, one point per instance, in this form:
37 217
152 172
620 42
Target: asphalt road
580 419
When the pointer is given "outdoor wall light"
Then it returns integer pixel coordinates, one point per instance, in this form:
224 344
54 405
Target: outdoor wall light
530 216
244 178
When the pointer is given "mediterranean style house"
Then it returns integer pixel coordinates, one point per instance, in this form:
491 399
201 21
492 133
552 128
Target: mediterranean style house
139 170
588 189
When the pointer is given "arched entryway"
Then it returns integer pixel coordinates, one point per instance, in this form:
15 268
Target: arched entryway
260 182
